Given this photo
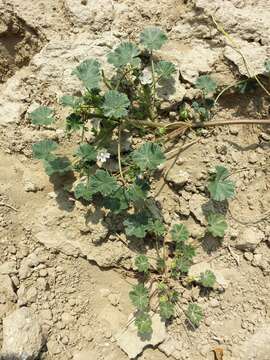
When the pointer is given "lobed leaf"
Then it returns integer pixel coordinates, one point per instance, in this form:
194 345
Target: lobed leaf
139 297
156 227
83 191
42 116
143 322
43 149
71 101
138 190
58 165
217 224
116 201
206 84
194 314
149 156
219 186
126 53
137 225
142 263
86 152
165 69
179 233
102 182
153 38
89 73
166 310
115 104
74 122
207 279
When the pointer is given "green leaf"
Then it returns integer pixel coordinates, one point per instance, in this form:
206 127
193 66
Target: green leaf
103 183
83 191
74 122
217 224
207 279
86 152
42 149
42 116
89 73
194 314
117 201
161 264
138 191
180 265
139 297
142 263
156 227
179 233
166 310
153 38
137 225
115 104
188 251
149 156
60 165
206 84
126 53
219 187
267 65
71 101
143 322
165 69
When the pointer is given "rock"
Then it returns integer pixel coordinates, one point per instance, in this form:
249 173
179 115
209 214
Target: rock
254 54
106 255
67 318
257 346
91 12
170 347
248 256
191 59
27 264
58 59
249 239
31 294
22 335
133 345
249 22
6 290
177 176
85 355
196 269
8 268
196 203
114 299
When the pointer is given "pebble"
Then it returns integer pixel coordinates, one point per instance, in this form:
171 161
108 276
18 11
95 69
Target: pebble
43 273
265 136
114 299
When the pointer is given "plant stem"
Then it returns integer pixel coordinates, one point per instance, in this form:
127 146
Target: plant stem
106 81
230 122
226 89
119 153
154 83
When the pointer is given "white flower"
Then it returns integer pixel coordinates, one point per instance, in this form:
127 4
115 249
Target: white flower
146 77
102 156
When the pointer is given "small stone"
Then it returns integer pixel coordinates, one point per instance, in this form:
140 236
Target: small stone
249 239
196 203
234 130
177 176
43 273
114 299
46 314
257 260
8 268
22 335
253 158
248 256
31 294
6 290
67 318
65 340
214 303
133 345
